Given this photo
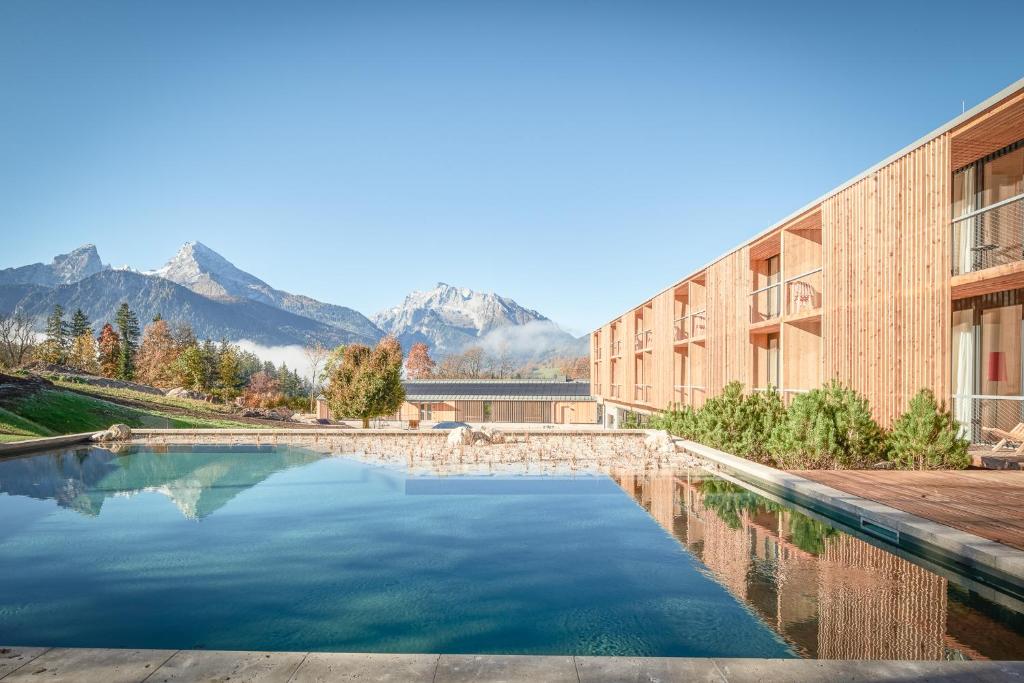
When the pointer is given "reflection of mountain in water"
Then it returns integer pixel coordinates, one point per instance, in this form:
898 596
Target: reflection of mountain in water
199 483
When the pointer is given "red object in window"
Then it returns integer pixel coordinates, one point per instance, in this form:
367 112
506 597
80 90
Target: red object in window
996 366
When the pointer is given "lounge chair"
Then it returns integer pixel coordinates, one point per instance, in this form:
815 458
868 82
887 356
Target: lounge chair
1015 435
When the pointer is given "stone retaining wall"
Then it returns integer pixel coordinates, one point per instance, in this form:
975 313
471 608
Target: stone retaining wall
541 450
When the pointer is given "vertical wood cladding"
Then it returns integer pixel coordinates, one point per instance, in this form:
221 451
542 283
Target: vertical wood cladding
727 290
886 251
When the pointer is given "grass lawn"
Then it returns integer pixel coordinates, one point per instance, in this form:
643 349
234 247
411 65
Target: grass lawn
50 412
114 394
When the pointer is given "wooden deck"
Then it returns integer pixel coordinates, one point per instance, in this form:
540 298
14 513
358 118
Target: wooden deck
987 503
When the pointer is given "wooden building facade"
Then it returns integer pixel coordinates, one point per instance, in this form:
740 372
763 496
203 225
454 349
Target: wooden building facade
908 276
508 401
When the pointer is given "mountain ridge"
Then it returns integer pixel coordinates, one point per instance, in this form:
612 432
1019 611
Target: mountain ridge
200 286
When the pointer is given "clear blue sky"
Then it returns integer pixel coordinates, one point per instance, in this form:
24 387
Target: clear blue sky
355 151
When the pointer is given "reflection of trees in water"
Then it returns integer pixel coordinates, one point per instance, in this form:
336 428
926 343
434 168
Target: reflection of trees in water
729 501
829 594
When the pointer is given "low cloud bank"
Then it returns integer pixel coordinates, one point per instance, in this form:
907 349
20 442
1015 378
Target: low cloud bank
535 339
292 355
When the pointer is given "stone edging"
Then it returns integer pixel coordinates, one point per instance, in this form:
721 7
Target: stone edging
993 563
29 445
101 665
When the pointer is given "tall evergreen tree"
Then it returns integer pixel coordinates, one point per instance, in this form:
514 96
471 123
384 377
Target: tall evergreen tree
128 327
58 342
80 324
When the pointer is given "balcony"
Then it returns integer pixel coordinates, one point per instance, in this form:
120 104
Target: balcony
642 341
615 390
698 325
616 348
766 303
642 393
803 293
680 329
990 419
989 237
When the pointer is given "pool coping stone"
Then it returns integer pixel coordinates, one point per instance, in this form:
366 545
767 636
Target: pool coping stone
105 665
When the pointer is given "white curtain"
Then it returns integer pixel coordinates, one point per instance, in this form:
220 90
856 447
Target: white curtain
965 239
964 386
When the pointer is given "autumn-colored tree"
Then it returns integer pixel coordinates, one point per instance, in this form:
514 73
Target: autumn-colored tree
54 349
419 364
110 351
466 365
157 354
83 354
264 391
367 383
576 367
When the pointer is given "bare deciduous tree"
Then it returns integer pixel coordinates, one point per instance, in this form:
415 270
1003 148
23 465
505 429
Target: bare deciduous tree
17 337
316 355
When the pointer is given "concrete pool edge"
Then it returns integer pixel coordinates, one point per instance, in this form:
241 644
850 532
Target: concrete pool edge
138 665
995 564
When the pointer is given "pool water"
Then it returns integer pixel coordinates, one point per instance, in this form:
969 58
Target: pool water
282 548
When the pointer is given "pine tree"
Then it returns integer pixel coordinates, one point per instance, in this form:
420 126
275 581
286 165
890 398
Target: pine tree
128 327
57 344
109 351
228 372
80 324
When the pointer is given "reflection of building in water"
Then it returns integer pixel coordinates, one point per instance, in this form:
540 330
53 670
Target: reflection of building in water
831 595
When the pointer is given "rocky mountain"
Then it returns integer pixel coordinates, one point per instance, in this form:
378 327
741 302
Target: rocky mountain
100 295
449 319
65 269
206 272
219 300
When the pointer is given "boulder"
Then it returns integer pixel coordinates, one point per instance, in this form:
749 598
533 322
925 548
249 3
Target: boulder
659 442
492 435
182 392
463 436
117 432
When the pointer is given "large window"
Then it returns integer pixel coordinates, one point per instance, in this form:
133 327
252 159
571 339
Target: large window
988 211
987 372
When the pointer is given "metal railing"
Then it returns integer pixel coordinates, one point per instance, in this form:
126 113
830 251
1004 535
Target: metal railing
616 347
642 393
766 303
680 329
698 324
986 419
803 292
992 236
642 340
616 390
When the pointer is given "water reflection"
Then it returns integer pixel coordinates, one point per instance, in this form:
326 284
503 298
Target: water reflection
198 484
831 595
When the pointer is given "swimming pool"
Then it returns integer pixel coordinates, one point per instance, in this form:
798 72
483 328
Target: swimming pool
283 548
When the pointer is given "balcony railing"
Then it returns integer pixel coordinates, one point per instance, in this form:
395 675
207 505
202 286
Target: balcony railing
616 347
990 419
616 390
642 340
680 329
993 236
642 393
803 293
698 324
766 303
688 393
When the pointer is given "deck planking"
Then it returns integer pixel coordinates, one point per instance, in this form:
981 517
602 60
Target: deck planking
987 503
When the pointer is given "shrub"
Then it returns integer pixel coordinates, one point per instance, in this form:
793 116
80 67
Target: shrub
828 428
927 437
681 422
738 424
